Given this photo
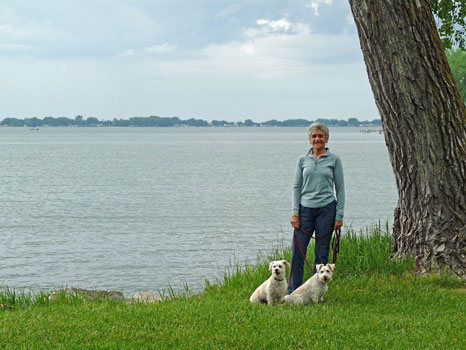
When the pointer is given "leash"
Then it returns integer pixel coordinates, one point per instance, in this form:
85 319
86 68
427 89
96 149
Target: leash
335 248
336 245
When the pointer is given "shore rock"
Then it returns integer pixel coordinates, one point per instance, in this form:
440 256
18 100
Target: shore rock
89 294
146 297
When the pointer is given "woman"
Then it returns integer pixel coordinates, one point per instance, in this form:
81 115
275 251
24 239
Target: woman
319 174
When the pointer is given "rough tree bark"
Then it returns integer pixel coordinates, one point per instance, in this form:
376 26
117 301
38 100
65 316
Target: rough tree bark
424 122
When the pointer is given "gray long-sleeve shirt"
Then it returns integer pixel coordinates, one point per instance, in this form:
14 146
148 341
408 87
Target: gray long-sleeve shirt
317 181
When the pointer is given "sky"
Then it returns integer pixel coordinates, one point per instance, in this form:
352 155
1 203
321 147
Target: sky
205 59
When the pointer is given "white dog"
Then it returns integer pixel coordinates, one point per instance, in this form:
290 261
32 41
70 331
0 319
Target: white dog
274 288
314 288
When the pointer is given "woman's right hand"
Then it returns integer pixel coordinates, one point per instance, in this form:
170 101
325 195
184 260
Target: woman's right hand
295 222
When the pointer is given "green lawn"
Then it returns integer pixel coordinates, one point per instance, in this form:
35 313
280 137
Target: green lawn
372 303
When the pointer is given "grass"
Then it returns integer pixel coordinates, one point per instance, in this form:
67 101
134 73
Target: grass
372 303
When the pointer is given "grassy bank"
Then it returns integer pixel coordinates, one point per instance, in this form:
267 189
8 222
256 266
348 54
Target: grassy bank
372 303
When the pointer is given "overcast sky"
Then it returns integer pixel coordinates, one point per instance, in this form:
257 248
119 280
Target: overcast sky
207 59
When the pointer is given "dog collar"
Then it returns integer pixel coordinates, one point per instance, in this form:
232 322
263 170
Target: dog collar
279 280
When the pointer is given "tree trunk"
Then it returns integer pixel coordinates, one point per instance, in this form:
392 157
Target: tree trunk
424 123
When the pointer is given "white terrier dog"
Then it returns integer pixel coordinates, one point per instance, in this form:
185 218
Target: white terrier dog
314 288
271 292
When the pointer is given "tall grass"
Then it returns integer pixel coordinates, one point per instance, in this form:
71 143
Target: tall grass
367 252
361 253
373 302
11 297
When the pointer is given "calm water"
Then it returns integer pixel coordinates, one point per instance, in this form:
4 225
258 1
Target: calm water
136 209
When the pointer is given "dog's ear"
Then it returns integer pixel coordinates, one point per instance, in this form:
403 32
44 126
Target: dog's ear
271 264
332 266
319 266
286 263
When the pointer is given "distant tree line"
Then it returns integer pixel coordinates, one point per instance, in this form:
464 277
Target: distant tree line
152 121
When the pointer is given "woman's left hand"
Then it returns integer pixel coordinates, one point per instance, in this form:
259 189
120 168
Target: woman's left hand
338 224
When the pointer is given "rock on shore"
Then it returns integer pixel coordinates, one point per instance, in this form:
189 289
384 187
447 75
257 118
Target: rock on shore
89 294
146 297
141 297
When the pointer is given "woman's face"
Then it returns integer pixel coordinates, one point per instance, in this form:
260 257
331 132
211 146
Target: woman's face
318 140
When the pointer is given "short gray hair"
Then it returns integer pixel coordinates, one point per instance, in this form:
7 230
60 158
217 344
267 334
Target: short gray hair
319 126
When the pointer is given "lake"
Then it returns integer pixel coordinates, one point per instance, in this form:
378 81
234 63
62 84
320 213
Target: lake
136 209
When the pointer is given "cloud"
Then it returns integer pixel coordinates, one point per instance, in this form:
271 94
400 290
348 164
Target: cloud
18 35
154 50
268 50
248 48
18 49
128 53
272 49
76 28
228 12
275 26
314 4
100 28
115 57
5 29
162 48
349 19
282 27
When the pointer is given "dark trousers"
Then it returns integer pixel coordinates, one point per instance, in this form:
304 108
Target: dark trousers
320 221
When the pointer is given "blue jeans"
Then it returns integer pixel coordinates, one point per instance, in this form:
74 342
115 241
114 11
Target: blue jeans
318 220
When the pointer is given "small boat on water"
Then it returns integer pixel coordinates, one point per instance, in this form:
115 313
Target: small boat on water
369 130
